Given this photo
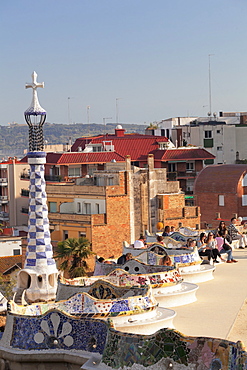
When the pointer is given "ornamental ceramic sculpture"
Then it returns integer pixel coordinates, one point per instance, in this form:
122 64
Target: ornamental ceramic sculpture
38 280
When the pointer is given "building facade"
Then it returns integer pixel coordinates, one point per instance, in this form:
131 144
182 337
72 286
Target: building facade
221 193
117 205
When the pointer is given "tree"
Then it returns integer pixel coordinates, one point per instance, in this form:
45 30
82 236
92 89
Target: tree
74 253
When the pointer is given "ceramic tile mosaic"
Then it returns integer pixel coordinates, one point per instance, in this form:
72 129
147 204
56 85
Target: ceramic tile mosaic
123 349
84 304
135 266
57 330
120 277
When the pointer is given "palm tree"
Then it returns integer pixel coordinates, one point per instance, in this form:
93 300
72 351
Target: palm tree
73 253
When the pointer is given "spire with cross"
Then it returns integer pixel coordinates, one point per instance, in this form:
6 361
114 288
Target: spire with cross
38 280
35 108
36 138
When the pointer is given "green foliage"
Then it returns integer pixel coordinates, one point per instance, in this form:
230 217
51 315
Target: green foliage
6 286
73 253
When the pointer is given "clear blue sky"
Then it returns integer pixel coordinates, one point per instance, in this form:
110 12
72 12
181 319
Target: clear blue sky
153 54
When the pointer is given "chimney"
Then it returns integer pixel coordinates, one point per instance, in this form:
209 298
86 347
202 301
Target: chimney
128 162
119 131
150 162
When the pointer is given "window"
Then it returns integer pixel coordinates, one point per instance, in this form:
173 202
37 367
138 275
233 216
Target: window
110 181
65 234
219 148
208 161
208 134
97 149
172 167
52 207
190 166
244 200
16 252
82 234
24 192
87 207
221 200
78 207
97 208
218 132
208 143
24 210
74 171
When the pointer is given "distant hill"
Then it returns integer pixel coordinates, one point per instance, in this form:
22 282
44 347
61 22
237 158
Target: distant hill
14 137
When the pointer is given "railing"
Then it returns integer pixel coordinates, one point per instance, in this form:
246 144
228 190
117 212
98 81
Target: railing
69 217
186 174
3 181
171 176
4 216
53 178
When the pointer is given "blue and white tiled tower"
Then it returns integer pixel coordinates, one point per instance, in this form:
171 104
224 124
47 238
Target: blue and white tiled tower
38 280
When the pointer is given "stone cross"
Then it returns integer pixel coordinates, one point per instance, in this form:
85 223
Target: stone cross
34 85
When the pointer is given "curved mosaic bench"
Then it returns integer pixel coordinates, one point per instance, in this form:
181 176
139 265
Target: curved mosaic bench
168 287
56 338
169 349
187 262
132 309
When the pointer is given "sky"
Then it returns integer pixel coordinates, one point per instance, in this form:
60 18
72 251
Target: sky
130 61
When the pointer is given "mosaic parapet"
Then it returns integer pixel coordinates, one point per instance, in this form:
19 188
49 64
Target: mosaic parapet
179 257
154 252
177 236
55 330
104 300
136 266
120 277
171 350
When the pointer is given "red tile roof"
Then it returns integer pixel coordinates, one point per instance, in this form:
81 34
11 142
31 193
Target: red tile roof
7 262
186 154
136 145
92 157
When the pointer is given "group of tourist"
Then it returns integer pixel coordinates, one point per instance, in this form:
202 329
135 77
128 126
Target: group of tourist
219 242
212 245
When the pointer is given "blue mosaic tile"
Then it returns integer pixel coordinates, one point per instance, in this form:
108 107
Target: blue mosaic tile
56 330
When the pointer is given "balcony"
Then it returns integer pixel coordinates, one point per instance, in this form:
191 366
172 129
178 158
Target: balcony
3 181
53 178
171 176
48 178
3 199
186 174
70 217
4 216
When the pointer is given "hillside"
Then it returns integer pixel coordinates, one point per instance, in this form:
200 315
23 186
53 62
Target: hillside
14 138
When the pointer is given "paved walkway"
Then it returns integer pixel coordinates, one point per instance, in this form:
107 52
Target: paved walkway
221 307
